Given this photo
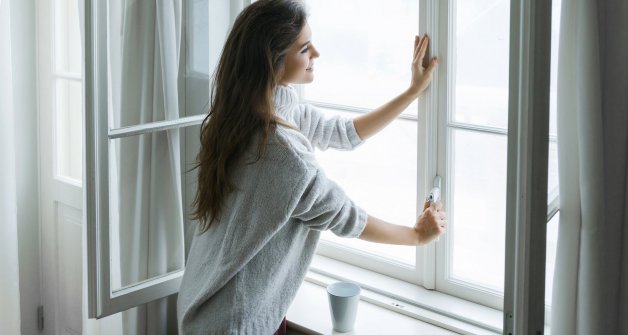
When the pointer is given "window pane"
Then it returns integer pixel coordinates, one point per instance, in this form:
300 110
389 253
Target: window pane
481 62
67 43
197 71
366 49
69 136
144 65
550 256
552 171
477 226
552 185
384 186
145 207
198 36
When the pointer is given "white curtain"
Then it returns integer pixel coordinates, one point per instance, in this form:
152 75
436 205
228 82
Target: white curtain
148 166
9 269
590 294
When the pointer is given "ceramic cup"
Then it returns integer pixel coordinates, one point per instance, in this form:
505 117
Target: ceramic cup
343 305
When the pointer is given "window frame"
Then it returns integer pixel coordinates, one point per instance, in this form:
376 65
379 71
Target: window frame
104 301
437 19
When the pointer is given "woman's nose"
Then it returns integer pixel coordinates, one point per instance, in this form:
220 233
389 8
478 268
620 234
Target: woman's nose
315 53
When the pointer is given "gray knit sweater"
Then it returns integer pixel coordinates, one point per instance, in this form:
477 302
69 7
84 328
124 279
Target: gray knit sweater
242 274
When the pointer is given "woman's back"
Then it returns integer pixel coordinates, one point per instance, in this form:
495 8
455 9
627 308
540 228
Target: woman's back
242 273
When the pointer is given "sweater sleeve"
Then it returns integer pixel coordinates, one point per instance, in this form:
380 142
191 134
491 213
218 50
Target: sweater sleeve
323 132
323 205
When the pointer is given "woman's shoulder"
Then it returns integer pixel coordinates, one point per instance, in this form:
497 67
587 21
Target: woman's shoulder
293 146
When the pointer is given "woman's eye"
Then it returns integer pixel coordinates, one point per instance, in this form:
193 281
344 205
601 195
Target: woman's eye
305 50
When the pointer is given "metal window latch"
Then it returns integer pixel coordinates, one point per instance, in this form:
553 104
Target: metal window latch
435 191
434 195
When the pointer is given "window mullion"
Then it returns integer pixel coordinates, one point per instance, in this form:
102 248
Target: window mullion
427 166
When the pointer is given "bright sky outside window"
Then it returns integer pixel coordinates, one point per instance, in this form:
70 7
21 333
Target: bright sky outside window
366 50
477 159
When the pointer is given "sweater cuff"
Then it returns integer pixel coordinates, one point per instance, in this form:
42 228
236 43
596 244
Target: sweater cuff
352 134
360 224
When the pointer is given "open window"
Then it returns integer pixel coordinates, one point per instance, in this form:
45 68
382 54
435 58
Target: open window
145 98
147 91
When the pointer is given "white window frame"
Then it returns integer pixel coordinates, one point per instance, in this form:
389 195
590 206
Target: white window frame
431 270
102 300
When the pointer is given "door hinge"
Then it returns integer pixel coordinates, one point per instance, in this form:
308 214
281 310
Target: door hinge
40 318
508 323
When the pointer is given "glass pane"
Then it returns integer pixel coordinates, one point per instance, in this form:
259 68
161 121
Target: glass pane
145 69
67 43
145 206
550 256
552 185
69 125
198 36
481 62
366 50
198 69
478 211
385 187
556 5
552 171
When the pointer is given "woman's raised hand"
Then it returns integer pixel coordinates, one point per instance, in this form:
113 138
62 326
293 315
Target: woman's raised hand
421 71
431 223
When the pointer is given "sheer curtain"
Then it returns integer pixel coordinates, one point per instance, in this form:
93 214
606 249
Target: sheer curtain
9 269
151 212
590 293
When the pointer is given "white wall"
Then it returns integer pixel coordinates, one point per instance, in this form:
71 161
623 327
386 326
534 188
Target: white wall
26 152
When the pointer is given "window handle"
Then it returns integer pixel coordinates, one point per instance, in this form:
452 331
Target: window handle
434 195
435 191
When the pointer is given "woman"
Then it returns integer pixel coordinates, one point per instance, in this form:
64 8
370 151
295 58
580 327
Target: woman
262 199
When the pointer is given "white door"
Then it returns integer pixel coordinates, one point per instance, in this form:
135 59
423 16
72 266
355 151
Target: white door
60 143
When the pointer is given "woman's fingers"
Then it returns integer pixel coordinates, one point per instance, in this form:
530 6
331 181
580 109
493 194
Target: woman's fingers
417 47
432 66
436 205
420 49
423 50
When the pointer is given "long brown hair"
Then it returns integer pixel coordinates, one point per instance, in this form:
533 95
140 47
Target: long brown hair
242 104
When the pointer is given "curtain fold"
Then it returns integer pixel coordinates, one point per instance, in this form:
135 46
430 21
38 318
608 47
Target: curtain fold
591 276
150 197
10 321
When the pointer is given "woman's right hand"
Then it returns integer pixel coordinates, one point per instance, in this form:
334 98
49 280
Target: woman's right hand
431 223
421 75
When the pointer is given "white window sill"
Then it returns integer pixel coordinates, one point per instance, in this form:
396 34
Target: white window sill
405 309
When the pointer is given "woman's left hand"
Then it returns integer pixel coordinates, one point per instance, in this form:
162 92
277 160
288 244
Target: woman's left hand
421 73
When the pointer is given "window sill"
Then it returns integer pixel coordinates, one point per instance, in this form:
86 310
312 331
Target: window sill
405 309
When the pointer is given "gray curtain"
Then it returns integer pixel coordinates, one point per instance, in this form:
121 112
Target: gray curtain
590 293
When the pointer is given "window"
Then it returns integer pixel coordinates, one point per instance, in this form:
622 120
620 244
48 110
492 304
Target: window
68 88
457 130
149 67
